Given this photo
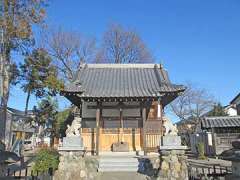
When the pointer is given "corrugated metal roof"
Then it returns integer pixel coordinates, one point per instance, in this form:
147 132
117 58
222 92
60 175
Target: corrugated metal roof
122 80
221 121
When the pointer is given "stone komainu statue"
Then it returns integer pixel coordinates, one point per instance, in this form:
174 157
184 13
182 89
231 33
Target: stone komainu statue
170 128
74 129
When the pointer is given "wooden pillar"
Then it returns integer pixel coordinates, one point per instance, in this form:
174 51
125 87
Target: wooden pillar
121 126
80 108
144 116
97 128
160 115
80 115
159 110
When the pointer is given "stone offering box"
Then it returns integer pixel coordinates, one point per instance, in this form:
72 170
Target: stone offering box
120 147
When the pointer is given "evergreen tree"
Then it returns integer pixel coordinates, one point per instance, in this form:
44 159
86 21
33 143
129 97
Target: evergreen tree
218 110
63 118
46 115
38 76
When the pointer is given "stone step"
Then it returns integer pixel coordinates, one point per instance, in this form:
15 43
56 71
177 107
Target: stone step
124 159
127 164
117 154
115 163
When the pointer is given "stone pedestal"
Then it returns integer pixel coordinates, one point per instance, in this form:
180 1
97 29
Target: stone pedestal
173 162
171 142
72 144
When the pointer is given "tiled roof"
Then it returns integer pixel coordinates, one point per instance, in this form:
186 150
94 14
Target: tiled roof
236 100
122 80
221 121
19 112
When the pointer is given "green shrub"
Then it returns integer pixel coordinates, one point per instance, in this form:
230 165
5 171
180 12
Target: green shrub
201 151
46 158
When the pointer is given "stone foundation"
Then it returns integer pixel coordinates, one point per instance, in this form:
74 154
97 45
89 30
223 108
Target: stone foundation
173 166
73 166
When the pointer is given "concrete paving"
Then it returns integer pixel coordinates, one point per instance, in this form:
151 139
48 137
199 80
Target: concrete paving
121 176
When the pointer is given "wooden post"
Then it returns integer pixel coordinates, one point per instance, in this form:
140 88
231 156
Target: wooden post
97 129
159 110
144 116
80 115
160 116
121 125
80 108
214 141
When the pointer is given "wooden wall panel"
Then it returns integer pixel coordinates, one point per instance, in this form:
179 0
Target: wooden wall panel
153 140
89 140
107 139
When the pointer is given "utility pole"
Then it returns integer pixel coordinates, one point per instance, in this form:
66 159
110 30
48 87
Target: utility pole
3 110
1 53
1 62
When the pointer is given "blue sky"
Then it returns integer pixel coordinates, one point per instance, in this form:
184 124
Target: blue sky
196 40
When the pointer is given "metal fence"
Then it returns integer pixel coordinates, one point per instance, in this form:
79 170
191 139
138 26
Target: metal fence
27 174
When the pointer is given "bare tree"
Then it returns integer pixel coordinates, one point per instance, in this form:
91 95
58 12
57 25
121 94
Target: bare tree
122 46
69 49
193 103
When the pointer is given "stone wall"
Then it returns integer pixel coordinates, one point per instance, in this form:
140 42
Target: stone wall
75 167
